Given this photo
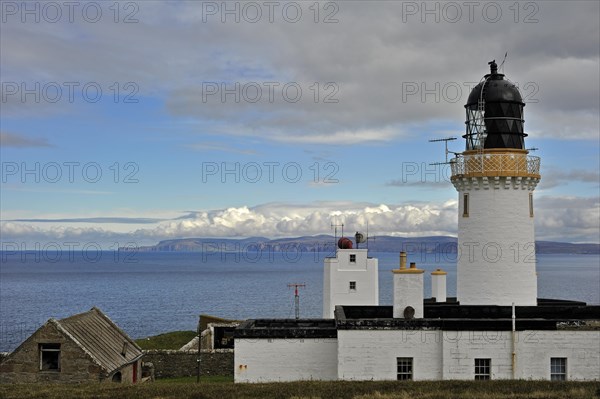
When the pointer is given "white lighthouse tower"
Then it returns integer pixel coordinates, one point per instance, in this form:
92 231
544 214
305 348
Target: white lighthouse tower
495 178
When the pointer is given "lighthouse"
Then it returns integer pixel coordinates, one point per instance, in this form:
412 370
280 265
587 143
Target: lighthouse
495 178
443 338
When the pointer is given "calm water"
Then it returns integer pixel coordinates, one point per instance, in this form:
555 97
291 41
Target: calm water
151 293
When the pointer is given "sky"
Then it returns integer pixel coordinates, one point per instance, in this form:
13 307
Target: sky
127 123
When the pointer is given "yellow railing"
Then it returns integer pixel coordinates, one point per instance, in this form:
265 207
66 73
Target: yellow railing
500 164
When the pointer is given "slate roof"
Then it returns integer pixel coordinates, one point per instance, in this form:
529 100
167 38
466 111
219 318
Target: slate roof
100 338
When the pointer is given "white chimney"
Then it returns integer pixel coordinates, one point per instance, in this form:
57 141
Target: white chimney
408 290
438 285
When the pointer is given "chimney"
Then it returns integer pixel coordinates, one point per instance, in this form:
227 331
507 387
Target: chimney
438 285
408 290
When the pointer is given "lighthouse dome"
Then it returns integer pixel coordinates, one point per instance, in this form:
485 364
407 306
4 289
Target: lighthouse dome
495 89
495 114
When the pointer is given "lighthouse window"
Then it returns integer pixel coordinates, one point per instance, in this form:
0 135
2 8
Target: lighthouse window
352 258
482 369
558 368
405 368
466 205
531 205
352 285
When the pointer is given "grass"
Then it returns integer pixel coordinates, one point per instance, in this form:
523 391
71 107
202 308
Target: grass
171 340
311 390
213 379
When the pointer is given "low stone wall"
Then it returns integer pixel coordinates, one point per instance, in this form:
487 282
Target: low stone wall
172 363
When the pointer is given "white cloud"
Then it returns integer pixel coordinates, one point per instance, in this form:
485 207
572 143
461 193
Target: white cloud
345 137
556 177
573 219
270 220
370 54
19 141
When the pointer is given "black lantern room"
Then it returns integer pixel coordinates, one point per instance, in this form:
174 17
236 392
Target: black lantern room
495 114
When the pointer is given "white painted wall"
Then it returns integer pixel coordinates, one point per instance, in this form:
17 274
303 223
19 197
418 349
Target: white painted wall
581 348
438 287
533 352
437 355
461 348
337 274
496 243
408 291
450 355
291 359
371 354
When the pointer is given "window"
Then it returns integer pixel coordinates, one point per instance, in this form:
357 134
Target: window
405 368
558 368
50 357
482 369
352 285
530 205
466 205
352 258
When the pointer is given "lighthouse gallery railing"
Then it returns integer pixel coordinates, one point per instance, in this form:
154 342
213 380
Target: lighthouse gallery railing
475 165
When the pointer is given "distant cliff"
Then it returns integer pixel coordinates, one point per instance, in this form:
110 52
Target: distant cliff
325 243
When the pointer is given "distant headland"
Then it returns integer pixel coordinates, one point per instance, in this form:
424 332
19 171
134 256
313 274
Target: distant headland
325 243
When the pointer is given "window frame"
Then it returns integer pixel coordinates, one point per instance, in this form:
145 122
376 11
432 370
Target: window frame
352 258
465 205
530 205
558 375
405 368
483 370
48 349
352 286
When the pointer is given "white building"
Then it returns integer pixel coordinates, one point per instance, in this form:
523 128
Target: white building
496 328
349 278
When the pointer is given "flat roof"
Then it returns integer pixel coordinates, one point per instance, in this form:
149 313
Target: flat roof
550 314
287 328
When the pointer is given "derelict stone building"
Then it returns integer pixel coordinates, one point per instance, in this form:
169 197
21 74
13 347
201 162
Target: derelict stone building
82 348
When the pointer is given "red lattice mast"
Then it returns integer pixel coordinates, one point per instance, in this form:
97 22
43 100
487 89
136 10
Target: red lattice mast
296 297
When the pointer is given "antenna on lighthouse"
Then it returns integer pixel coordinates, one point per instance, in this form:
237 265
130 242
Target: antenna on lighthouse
446 140
335 226
369 238
503 61
296 297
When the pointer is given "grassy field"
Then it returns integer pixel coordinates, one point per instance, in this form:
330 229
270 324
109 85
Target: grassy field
214 379
171 340
164 389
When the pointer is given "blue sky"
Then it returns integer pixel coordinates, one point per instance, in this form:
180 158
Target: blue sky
389 77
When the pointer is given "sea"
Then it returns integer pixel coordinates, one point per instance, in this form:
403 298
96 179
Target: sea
156 292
